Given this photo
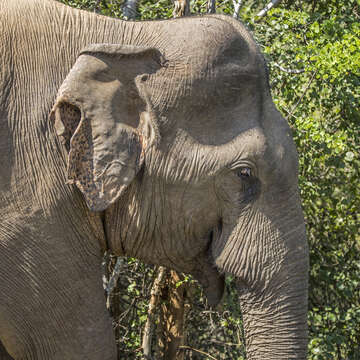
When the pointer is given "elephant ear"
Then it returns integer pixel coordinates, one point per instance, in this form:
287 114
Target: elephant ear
104 118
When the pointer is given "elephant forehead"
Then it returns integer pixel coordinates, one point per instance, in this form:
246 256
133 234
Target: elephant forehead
213 42
208 72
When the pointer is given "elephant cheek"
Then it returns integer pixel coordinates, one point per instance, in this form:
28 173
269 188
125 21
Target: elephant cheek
251 249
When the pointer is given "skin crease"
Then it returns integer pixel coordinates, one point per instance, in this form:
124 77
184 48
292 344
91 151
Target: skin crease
168 131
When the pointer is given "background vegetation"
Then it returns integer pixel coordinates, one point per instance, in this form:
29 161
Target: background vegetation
313 52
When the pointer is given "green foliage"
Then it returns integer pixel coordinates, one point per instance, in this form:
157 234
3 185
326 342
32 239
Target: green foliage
322 105
213 332
104 7
149 9
219 332
129 303
321 39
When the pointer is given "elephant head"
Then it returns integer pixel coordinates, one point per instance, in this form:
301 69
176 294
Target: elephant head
195 169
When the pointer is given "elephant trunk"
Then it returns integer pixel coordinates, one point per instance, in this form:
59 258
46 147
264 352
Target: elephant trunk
274 306
267 252
275 321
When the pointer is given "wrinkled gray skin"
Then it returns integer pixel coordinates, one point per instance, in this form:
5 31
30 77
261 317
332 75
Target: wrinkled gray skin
167 132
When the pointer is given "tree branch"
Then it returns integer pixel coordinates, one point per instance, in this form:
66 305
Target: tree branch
211 8
113 278
302 96
237 5
96 7
130 9
198 351
150 321
267 8
289 71
181 8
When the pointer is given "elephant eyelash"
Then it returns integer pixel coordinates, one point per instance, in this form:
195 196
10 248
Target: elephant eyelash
244 172
249 184
244 169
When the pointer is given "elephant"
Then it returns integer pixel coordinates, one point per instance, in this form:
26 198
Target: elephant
157 140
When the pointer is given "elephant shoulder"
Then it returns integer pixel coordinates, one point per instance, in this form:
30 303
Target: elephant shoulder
5 62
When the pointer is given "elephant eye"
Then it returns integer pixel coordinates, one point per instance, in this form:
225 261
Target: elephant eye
244 172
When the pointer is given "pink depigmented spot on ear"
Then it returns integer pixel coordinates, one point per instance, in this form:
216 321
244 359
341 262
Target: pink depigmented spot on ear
66 119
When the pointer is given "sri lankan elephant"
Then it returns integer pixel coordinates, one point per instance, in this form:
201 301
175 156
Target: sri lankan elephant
157 140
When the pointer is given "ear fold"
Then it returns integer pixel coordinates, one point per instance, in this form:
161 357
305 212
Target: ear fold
104 117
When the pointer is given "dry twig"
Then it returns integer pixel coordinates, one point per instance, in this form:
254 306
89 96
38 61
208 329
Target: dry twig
198 351
129 9
181 8
289 71
267 8
237 5
154 300
302 96
211 8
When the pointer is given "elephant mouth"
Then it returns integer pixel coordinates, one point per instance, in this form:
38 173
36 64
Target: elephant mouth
216 232
212 281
